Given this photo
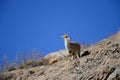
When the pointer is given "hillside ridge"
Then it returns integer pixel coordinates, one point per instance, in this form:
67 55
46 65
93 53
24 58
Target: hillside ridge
100 61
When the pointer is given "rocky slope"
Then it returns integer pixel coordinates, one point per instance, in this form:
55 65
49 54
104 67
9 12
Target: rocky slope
100 61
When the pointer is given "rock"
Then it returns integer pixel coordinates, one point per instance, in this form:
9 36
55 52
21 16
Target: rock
115 75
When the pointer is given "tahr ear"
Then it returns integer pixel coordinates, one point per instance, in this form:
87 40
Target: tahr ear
65 34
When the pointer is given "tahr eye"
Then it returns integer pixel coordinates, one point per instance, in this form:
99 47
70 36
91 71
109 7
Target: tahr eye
66 36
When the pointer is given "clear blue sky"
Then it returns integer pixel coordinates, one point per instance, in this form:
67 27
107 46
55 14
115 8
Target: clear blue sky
26 25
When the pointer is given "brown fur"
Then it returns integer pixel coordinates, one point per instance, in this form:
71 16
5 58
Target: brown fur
72 48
